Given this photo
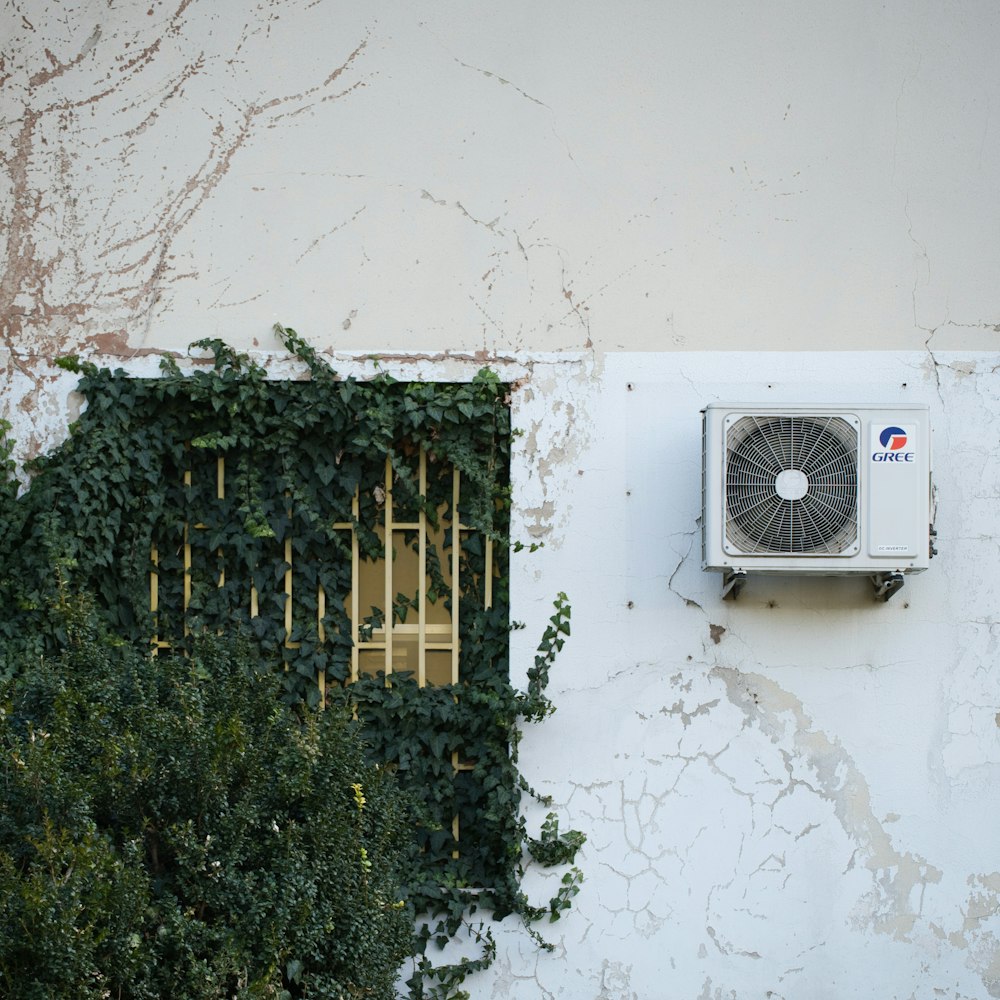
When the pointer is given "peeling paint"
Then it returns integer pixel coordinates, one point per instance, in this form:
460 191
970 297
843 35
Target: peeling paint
425 195
893 905
76 277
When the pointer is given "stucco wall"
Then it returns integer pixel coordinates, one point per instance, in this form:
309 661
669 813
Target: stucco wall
390 175
789 796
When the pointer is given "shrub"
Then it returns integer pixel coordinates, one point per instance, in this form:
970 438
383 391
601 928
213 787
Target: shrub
170 828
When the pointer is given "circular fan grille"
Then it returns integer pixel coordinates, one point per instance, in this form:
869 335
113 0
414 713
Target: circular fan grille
791 485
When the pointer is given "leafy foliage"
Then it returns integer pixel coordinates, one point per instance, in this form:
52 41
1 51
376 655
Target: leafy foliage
139 473
170 828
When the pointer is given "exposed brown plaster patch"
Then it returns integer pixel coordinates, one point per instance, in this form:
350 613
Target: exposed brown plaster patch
321 100
311 91
22 270
336 74
57 68
4 74
114 343
140 58
483 357
174 24
34 317
188 73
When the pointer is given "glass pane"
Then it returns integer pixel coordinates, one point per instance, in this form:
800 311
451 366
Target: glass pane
439 577
404 652
439 667
405 574
371 662
371 588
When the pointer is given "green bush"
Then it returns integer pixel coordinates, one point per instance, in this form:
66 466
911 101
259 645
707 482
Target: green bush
169 828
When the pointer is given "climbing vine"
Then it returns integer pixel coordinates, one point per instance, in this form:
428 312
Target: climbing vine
136 493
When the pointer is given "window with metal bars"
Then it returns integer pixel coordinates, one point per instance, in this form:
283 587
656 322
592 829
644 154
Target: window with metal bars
418 574
386 588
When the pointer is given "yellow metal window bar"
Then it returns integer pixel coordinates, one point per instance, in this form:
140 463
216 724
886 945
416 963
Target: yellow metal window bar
431 645
157 641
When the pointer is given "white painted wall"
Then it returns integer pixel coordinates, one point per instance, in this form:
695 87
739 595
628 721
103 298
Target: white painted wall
791 795
710 200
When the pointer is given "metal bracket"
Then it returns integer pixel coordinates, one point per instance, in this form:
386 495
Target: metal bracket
886 584
732 583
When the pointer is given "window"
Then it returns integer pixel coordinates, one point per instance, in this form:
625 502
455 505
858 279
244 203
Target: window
362 571
418 572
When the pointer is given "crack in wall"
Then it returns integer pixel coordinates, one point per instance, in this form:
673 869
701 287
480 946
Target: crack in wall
888 906
49 298
662 850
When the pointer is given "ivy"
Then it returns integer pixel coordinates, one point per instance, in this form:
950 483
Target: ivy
138 475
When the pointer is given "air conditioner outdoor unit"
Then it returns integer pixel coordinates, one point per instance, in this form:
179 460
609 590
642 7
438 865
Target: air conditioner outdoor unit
824 490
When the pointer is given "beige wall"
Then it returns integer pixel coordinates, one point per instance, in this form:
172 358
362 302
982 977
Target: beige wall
396 176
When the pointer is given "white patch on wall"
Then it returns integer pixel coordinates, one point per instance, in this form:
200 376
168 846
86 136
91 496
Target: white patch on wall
793 793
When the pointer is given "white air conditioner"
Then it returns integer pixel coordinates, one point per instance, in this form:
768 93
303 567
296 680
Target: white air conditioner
824 490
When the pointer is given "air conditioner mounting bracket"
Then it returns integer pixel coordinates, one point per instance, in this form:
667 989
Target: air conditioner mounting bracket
732 583
886 584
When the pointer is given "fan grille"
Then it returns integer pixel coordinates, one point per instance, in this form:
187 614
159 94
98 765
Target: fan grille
791 485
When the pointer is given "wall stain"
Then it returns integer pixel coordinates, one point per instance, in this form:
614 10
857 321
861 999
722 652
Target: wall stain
75 277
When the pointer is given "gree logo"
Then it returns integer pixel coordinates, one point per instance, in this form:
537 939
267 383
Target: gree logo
893 440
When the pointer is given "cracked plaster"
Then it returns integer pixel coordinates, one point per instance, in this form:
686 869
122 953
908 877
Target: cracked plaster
433 176
627 217
777 780
796 777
